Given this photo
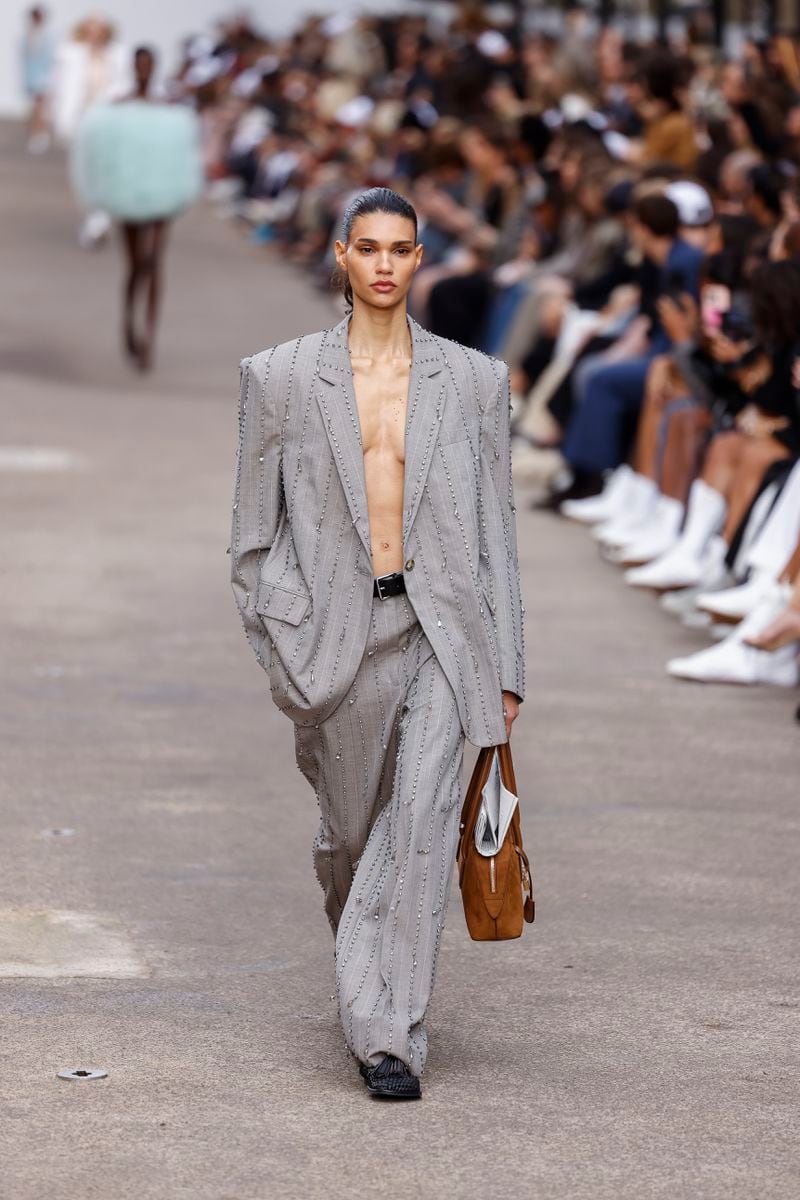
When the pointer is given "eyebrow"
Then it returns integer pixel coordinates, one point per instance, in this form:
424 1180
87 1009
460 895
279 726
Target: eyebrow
374 241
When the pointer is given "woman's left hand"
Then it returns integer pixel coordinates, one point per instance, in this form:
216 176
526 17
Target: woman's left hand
510 710
752 422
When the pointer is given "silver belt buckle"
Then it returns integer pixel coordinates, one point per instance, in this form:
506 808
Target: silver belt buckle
378 579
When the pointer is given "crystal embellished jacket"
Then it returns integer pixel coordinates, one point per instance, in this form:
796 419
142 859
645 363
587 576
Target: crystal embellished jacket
301 561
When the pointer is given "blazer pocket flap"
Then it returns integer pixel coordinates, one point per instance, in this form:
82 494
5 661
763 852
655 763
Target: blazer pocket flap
281 603
459 438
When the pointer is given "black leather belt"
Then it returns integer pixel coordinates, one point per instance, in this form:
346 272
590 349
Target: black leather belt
384 586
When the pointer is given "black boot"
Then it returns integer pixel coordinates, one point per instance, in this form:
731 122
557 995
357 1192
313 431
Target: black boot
584 484
391 1080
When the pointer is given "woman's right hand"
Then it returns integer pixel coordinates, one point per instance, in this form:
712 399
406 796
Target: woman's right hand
723 350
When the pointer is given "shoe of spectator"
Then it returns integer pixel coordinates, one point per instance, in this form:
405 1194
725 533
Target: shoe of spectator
629 521
612 500
684 600
682 565
659 533
783 631
584 484
735 603
676 569
539 468
737 663
694 619
733 661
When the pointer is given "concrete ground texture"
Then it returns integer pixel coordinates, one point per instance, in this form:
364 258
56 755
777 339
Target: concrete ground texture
640 1041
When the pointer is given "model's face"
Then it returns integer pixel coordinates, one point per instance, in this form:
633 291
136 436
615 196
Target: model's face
381 252
143 68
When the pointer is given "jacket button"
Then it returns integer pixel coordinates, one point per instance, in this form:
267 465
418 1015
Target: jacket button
409 564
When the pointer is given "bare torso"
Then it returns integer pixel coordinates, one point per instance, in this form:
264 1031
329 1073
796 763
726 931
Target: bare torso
381 397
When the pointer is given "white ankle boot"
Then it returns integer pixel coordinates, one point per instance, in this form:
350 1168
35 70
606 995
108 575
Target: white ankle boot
733 661
735 603
655 536
715 577
639 504
612 499
682 565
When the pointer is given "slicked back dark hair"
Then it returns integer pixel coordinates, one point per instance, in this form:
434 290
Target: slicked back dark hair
373 200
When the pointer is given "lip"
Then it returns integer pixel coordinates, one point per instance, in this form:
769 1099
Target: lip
383 286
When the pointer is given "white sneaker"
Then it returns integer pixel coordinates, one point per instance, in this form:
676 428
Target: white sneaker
694 619
733 661
678 568
612 499
683 600
656 536
735 603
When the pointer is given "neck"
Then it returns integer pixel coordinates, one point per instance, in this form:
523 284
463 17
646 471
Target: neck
659 250
379 333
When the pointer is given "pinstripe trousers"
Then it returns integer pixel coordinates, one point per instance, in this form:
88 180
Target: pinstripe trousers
386 769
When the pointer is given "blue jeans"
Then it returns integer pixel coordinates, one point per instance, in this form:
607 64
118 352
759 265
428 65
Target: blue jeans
594 438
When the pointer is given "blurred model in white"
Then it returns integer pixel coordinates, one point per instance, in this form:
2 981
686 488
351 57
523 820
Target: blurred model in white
90 67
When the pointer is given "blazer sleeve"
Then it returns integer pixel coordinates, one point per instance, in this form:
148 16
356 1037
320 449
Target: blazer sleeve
258 491
499 534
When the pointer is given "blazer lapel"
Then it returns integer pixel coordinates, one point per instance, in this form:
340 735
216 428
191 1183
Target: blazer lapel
337 404
426 398
340 416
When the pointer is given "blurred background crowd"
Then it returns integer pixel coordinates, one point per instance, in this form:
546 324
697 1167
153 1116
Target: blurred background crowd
611 207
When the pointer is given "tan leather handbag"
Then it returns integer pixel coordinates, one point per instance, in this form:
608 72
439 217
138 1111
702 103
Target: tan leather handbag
497 889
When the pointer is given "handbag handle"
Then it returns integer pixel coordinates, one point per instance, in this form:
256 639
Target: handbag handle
506 764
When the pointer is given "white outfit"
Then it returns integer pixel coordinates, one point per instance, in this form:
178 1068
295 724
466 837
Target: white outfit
775 542
80 79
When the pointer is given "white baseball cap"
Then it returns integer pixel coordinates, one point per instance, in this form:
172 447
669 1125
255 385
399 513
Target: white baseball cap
692 202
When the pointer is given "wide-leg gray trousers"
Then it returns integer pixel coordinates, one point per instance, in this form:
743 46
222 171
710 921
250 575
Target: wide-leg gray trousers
386 768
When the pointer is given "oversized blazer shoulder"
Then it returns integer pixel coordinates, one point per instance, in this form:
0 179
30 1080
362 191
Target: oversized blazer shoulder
301 560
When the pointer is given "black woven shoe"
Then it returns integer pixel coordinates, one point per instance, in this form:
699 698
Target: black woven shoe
391 1080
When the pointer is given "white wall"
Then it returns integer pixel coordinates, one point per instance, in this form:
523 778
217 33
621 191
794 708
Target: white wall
162 23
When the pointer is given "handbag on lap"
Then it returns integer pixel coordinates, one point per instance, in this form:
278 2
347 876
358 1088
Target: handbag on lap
493 869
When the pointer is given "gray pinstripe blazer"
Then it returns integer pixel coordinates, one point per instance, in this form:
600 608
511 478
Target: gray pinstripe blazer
301 564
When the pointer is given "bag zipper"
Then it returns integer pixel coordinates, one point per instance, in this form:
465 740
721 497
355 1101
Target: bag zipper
492 877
